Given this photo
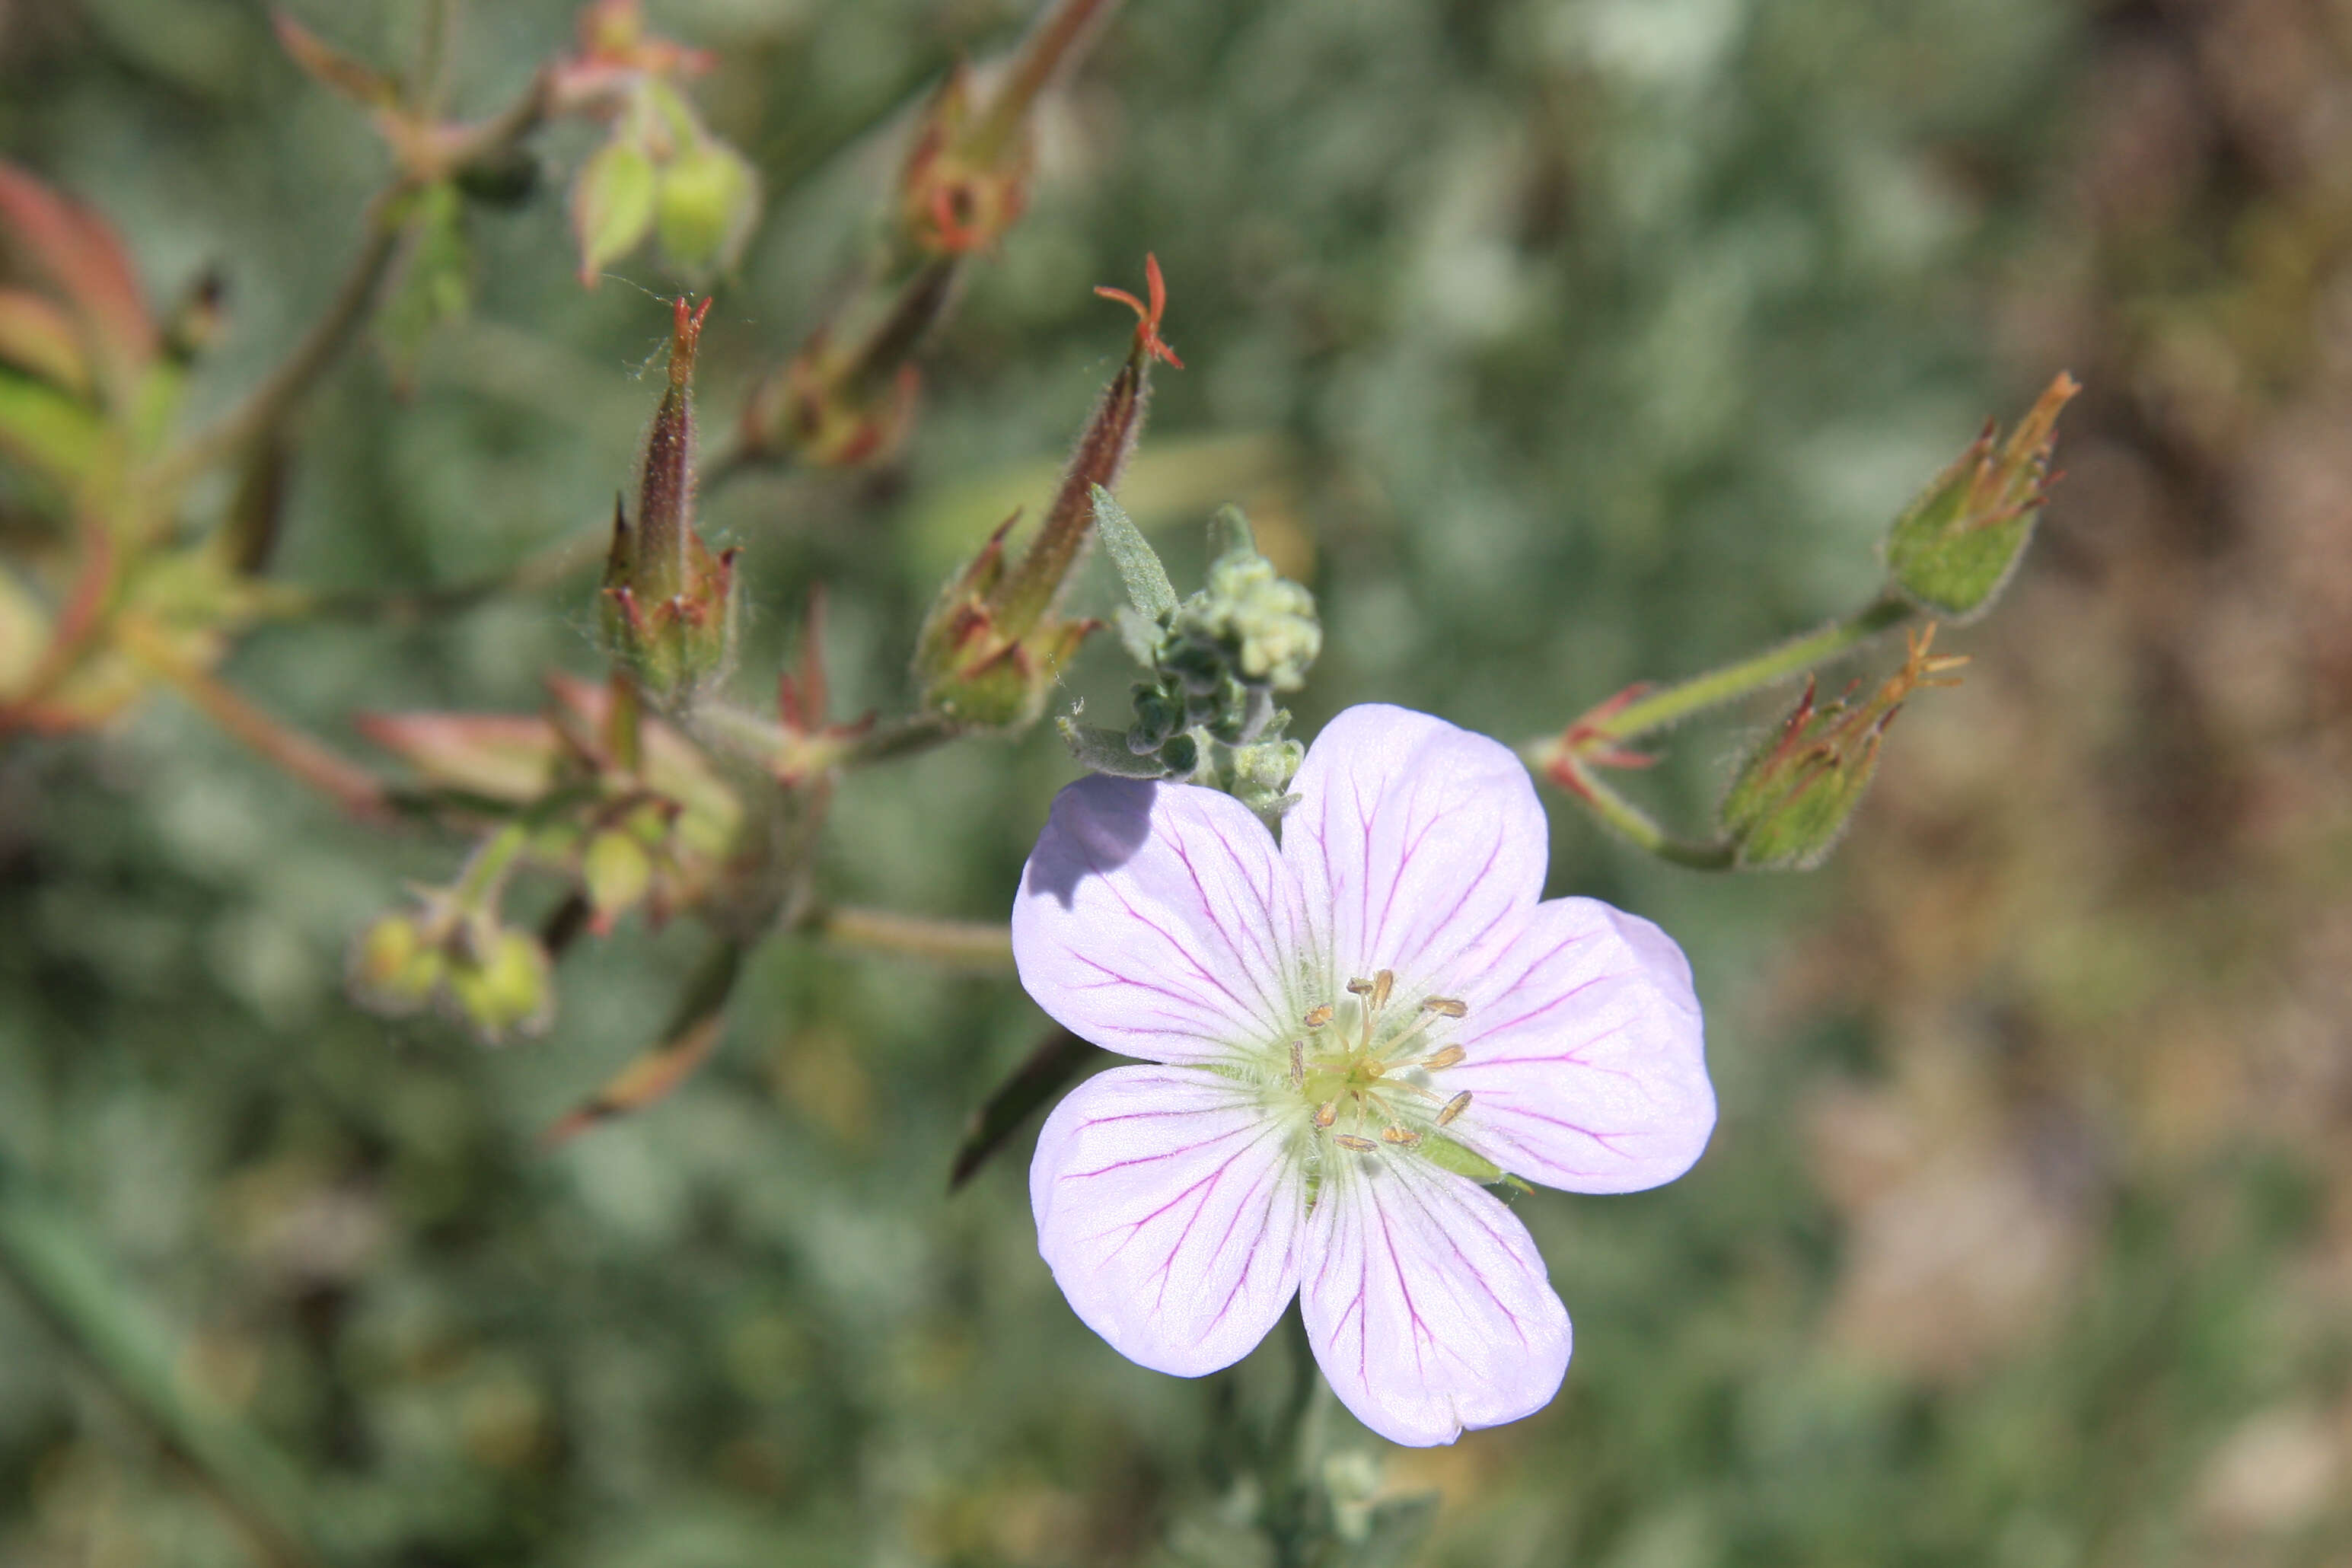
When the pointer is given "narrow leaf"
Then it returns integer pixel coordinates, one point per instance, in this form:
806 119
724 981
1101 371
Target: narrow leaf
1138 564
1059 1058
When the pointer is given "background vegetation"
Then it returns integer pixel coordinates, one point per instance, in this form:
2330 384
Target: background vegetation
1556 343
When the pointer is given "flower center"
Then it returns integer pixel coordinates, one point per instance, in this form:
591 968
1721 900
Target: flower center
1368 1067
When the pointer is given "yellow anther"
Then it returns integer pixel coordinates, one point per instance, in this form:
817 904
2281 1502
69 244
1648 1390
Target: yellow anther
1359 987
1383 984
1326 1113
1349 1140
1447 1005
1453 1107
1404 1137
1445 1058
1298 1064
1319 1016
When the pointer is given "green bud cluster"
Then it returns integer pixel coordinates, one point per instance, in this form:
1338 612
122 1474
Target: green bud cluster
1206 713
494 979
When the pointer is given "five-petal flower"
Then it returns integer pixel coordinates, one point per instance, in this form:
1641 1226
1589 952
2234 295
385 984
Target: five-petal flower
1330 1021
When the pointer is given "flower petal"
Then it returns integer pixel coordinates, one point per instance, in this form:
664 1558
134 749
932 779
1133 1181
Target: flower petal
1586 1054
1170 1208
1412 839
1158 920
1427 1303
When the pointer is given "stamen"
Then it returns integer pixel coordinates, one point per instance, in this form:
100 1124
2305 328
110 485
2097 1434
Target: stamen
1359 987
1349 1140
1383 984
1404 1137
1447 1005
1445 1058
1319 1016
1453 1107
1298 1064
1326 1113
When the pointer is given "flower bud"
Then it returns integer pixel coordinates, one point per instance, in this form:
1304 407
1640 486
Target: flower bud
392 969
502 984
1954 548
668 601
617 872
709 199
1792 797
993 639
452 952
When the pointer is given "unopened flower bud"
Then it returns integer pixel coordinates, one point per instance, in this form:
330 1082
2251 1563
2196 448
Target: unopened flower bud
1263 622
993 639
1792 797
392 969
616 871
1954 548
668 601
502 986
709 199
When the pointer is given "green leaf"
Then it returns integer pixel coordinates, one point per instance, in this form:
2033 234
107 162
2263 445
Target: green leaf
1147 587
47 430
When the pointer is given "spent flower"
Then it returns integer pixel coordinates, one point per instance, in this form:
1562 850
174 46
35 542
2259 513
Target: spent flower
1347 1032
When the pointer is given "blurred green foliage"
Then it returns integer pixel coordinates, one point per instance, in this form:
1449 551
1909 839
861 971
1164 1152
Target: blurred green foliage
1556 343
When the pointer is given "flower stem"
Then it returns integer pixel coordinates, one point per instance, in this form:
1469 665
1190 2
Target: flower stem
964 944
355 298
268 404
1635 824
348 784
1657 709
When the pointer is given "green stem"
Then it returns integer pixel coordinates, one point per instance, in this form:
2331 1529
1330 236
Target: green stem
1679 701
268 404
899 738
90 1306
486 871
966 944
1633 824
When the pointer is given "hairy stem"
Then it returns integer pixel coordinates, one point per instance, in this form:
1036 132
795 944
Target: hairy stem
354 299
964 944
1634 825
1657 709
269 403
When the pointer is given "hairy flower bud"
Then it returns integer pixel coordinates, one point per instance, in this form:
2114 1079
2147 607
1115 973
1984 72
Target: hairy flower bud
993 639
1790 800
1954 548
668 601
